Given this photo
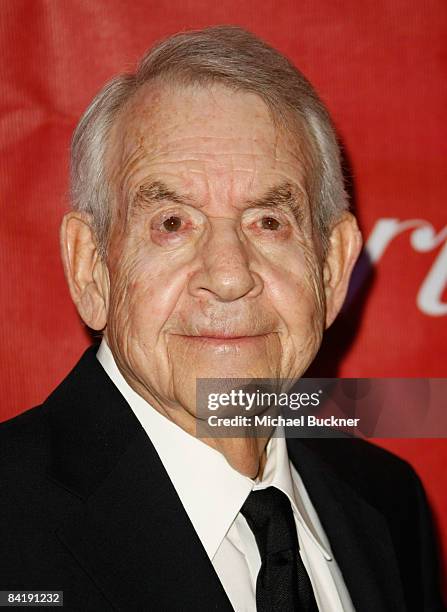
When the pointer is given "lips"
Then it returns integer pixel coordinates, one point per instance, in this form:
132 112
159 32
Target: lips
219 340
224 348
225 335
228 336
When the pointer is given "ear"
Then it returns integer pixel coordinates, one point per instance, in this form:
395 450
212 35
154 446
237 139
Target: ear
86 273
344 248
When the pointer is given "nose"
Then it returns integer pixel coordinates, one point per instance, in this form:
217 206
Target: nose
224 270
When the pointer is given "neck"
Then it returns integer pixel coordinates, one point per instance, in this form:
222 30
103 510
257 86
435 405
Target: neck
246 455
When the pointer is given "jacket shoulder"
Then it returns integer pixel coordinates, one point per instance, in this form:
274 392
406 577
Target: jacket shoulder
24 440
362 464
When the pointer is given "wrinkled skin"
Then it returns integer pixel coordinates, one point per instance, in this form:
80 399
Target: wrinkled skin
206 282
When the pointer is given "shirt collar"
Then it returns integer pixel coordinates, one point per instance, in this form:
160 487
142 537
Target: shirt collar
211 491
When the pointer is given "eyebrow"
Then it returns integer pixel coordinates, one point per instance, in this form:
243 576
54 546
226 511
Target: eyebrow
283 196
157 191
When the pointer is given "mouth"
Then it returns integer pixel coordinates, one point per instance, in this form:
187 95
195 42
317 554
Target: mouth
225 338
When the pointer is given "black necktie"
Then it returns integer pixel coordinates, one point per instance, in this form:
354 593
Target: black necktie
282 584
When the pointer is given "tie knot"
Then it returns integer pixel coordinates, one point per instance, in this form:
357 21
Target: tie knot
261 505
269 515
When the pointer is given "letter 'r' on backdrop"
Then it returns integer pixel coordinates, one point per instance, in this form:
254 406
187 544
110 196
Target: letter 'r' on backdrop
379 65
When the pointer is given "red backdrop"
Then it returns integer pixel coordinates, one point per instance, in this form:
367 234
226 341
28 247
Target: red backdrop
380 65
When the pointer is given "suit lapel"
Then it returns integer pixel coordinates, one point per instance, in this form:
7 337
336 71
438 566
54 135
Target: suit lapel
127 527
357 532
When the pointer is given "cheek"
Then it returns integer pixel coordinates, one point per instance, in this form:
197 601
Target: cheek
143 294
296 291
296 295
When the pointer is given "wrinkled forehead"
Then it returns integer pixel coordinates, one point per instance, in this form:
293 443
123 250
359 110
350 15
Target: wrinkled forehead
181 130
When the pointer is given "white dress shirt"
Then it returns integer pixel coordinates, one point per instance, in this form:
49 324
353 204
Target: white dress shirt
212 493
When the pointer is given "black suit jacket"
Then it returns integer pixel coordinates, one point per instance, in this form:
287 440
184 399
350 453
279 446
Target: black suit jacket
87 507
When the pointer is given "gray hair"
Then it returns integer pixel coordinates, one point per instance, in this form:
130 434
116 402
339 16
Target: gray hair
238 59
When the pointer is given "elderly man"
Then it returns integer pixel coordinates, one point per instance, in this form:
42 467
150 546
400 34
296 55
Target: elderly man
210 237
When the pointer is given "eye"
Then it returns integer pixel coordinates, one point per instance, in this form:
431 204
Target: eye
172 223
270 223
174 227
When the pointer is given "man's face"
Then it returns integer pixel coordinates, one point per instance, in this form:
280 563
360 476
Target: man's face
212 261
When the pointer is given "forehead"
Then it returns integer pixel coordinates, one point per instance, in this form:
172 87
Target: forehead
200 139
